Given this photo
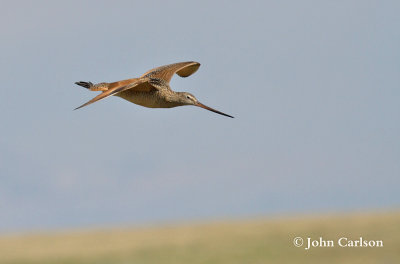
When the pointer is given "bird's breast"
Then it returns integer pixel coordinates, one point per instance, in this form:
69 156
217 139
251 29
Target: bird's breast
146 99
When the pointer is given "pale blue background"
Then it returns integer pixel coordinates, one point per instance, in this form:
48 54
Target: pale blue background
314 87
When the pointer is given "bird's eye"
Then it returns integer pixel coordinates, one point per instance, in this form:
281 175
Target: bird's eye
187 96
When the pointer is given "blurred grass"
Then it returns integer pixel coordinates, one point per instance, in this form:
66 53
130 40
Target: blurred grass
249 241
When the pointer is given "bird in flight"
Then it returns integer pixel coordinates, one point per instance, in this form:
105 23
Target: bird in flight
151 89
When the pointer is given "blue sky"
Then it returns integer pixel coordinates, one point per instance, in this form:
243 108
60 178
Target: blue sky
314 87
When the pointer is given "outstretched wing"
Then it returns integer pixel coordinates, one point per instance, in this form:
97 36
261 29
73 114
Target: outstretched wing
138 85
183 69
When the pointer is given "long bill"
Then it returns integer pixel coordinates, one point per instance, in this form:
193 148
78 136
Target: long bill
211 109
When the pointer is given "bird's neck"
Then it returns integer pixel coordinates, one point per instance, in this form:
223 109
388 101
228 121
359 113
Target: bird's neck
172 99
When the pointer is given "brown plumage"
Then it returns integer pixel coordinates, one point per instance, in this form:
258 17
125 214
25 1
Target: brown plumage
151 89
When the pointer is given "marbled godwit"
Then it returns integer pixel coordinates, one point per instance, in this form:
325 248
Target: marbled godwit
151 89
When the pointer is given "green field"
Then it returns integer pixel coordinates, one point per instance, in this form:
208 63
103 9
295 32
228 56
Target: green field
268 240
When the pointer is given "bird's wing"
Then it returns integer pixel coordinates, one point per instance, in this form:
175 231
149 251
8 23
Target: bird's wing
138 85
183 69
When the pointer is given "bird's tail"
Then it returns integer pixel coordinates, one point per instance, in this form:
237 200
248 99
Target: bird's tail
94 87
87 85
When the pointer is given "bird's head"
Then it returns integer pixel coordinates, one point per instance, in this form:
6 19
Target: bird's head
190 99
187 99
